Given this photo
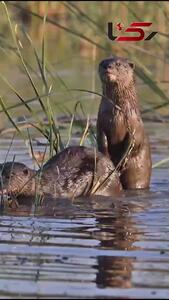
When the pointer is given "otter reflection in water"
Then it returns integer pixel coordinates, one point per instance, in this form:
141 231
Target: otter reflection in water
74 172
118 233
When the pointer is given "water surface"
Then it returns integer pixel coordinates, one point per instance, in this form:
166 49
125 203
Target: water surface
99 247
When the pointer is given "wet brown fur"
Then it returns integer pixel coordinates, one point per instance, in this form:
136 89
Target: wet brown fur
72 173
120 124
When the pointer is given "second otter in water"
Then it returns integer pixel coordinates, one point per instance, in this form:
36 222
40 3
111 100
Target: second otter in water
74 172
120 124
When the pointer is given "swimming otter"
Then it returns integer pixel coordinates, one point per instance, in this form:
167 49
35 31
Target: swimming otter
74 172
119 124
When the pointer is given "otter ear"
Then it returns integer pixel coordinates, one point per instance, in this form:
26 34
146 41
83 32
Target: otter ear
25 171
131 64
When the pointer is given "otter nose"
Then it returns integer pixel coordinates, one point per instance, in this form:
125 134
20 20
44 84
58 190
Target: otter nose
109 67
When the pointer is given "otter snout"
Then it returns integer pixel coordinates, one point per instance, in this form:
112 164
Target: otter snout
116 70
108 70
15 177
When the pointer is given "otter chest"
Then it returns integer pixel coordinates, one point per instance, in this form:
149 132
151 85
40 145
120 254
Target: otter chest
115 128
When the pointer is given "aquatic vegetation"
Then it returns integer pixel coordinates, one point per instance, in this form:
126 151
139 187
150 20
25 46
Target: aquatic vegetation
87 29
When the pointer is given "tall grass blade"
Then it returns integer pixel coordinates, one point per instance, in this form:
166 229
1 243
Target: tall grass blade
9 117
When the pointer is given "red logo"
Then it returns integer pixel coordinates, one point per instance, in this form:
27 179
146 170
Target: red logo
119 26
134 27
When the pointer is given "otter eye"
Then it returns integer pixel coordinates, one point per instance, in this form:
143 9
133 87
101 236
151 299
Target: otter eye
25 171
131 64
118 64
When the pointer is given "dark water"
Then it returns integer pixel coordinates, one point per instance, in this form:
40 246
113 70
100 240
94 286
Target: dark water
99 247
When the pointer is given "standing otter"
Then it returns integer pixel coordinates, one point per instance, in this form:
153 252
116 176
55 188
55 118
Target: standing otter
74 172
120 125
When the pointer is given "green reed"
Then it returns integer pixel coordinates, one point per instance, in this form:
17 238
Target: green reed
86 17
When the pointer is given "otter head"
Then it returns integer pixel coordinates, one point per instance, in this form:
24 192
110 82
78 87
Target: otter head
16 179
116 71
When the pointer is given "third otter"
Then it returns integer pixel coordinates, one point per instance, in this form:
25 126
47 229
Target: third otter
120 124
